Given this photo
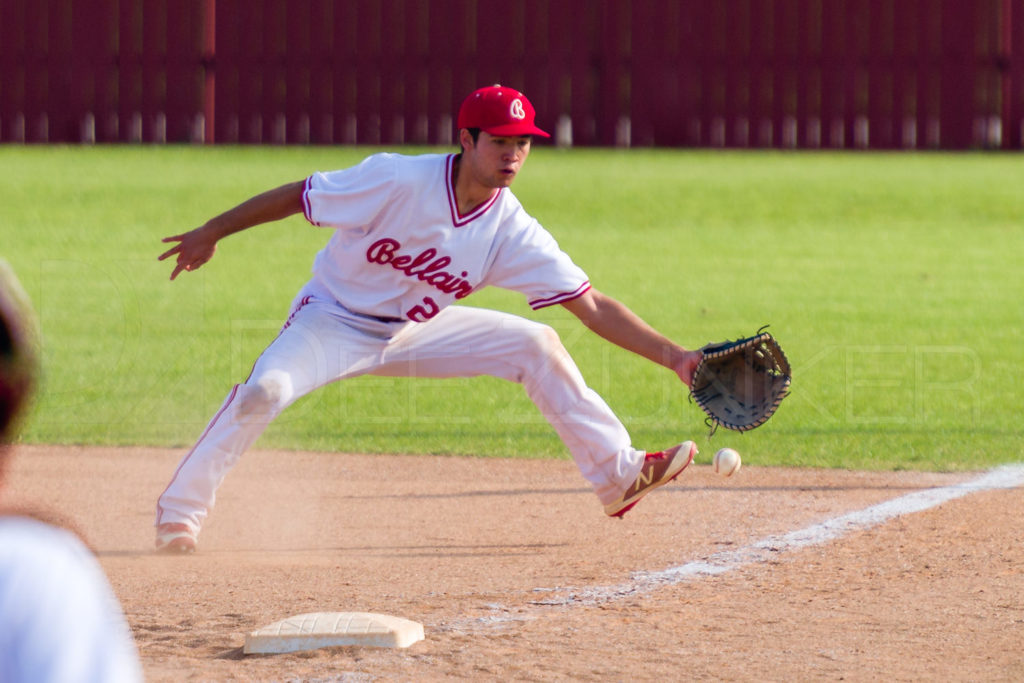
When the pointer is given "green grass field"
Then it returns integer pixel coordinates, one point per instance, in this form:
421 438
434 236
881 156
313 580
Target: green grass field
894 282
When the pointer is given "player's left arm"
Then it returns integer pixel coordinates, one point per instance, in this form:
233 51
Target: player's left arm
614 321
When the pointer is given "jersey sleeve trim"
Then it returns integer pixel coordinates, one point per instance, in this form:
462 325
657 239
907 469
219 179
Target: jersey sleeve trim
560 298
307 210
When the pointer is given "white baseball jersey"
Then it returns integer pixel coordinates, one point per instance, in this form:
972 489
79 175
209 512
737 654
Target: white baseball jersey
402 249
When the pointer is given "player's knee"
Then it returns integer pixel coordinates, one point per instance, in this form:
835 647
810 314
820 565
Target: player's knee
541 341
266 394
543 348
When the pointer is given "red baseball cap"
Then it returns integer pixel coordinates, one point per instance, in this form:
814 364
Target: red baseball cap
499 111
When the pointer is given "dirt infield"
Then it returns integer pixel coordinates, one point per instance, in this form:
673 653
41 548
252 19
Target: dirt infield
516 574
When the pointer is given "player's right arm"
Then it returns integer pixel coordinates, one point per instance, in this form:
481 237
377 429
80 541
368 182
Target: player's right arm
196 247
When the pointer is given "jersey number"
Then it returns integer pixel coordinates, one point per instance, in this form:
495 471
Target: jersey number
421 314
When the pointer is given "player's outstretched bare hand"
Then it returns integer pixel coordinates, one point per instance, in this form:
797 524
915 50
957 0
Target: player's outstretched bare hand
193 248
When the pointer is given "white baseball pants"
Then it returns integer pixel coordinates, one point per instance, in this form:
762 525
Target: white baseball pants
322 342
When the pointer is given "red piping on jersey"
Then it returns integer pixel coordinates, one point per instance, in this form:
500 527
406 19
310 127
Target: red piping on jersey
561 298
307 210
458 220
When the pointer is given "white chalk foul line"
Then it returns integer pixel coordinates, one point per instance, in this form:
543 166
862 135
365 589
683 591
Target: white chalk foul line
1006 477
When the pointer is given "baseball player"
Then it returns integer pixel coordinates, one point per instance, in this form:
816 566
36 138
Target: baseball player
412 235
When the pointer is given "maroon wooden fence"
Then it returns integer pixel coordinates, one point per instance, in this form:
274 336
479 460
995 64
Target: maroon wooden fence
734 73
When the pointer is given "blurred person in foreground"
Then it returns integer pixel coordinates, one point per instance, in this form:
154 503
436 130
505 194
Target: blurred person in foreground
59 618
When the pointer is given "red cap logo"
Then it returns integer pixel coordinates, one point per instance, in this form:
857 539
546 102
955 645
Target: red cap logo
499 111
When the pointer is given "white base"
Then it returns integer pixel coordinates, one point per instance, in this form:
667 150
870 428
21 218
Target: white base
328 629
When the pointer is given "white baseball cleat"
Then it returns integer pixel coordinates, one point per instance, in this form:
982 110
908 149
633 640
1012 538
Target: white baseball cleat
175 539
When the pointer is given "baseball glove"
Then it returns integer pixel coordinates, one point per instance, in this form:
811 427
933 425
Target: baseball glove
740 384
18 356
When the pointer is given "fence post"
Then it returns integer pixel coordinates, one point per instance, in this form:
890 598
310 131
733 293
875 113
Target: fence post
957 82
1011 71
208 63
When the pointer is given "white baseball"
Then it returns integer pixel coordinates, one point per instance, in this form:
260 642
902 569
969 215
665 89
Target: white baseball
726 462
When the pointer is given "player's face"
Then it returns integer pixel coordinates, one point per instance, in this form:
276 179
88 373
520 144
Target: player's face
495 160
